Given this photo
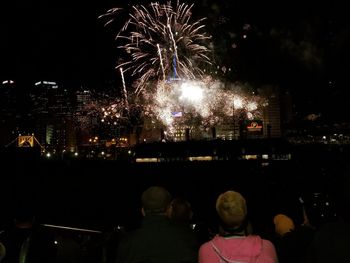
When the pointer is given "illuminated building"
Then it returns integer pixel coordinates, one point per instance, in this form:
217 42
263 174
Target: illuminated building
83 99
8 113
272 112
52 110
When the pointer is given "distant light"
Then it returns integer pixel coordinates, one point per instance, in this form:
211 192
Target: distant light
54 84
176 114
129 152
76 154
244 36
48 155
250 157
50 82
146 160
200 158
8 82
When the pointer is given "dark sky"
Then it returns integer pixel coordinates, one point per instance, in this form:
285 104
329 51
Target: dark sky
301 47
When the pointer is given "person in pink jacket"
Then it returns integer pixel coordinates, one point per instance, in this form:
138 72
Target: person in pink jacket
233 244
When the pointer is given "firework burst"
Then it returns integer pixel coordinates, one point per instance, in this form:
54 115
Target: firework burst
161 42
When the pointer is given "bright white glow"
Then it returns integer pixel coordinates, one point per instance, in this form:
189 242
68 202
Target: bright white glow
191 92
75 154
48 155
237 102
251 106
8 82
55 242
47 83
250 116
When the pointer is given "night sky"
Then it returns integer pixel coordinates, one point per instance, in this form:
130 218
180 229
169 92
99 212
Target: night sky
301 47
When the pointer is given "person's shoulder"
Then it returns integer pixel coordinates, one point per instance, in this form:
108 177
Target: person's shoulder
205 246
267 243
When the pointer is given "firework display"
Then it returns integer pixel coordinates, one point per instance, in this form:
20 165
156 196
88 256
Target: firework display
167 57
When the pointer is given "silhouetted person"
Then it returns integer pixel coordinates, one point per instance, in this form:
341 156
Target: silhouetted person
283 224
182 214
291 241
26 242
234 244
181 211
158 239
2 251
331 242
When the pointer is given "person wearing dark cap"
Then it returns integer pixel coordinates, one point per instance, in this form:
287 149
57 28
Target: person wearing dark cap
158 239
233 243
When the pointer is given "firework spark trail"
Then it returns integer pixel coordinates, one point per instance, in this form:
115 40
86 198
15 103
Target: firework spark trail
125 94
176 58
161 61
